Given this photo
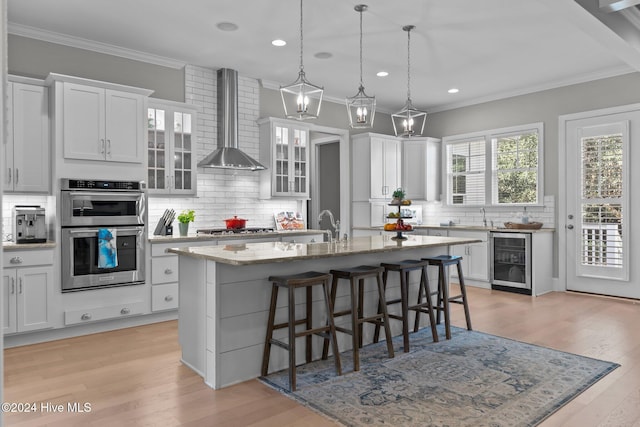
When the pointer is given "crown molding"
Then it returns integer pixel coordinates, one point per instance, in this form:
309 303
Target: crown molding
80 43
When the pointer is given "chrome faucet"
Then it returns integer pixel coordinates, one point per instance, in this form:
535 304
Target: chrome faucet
334 224
484 218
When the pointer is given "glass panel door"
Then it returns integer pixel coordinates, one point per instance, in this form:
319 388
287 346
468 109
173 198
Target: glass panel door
282 159
156 149
300 161
183 151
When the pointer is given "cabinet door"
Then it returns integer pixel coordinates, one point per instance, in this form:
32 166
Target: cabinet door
299 166
478 261
30 138
281 165
83 122
124 113
378 190
184 158
7 179
35 289
157 144
392 168
9 301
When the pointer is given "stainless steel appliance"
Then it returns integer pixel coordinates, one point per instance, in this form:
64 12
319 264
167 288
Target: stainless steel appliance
221 231
88 209
511 262
29 224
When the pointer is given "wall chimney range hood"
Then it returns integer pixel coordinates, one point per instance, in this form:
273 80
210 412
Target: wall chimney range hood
227 155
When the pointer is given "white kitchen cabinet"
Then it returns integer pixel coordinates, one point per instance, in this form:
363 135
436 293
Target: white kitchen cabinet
171 165
421 168
26 149
475 256
376 166
284 150
27 283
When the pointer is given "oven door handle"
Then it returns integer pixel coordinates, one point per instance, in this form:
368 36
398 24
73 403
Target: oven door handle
138 230
101 195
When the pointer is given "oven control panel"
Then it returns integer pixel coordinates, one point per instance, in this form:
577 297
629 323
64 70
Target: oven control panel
81 184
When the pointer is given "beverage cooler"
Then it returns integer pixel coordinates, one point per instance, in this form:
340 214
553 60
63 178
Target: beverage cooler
511 262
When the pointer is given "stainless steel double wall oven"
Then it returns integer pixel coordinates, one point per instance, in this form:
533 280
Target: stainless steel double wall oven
87 207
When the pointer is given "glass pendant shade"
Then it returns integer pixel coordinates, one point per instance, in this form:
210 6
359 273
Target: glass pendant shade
361 108
301 99
409 121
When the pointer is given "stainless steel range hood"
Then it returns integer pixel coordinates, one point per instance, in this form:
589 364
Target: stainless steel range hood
227 155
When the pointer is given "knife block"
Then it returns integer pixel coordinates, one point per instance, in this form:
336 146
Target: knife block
162 228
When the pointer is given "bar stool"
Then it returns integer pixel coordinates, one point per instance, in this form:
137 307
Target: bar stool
359 274
443 262
291 283
404 268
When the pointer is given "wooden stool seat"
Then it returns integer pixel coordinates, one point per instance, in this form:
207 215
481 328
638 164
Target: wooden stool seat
404 268
444 299
291 283
358 274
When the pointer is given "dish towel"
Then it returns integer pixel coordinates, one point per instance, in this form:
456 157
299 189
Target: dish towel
107 251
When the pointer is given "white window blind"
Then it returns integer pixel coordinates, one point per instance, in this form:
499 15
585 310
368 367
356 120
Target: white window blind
466 165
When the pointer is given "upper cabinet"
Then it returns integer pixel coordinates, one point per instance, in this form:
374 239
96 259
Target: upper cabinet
98 120
284 150
377 166
26 150
421 168
171 148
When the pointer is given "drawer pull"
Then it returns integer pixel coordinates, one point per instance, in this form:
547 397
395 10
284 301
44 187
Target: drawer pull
85 316
168 271
125 311
16 260
168 298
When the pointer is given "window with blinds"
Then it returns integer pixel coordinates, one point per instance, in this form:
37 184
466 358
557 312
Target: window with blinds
495 167
601 237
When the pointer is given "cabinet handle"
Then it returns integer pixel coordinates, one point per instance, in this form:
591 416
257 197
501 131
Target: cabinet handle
20 285
109 147
168 271
16 260
13 285
85 316
168 298
125 311
102 146
17 175
9 176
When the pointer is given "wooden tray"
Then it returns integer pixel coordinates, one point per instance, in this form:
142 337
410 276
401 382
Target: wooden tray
518 226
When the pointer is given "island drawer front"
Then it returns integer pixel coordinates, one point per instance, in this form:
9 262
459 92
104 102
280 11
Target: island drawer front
158 250
74 317
27 258
164 270
164 297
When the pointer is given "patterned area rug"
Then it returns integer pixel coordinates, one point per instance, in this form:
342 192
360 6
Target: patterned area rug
474 379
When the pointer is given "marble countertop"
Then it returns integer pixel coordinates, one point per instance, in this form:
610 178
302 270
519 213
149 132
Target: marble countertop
12 246
201 237
500 229
272 252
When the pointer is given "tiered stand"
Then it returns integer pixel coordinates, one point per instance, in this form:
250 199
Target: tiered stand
399 233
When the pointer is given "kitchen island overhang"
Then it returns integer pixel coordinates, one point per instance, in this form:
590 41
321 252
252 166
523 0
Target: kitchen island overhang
224 296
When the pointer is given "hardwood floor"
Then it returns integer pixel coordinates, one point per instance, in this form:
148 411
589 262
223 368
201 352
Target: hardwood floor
133 377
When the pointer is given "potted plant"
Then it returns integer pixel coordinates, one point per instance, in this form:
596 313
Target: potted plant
185 217
398 195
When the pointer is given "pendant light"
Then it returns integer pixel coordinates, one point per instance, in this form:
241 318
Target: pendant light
409 122
301 99
361 108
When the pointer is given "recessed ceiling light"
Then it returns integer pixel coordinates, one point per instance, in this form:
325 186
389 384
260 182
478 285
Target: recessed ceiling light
323 55
454 90
382 73
227 26
278 42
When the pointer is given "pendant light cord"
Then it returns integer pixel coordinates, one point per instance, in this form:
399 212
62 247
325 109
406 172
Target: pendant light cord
361 48
409 63
301 66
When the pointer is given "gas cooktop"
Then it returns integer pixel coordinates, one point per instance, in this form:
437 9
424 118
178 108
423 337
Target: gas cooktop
220 231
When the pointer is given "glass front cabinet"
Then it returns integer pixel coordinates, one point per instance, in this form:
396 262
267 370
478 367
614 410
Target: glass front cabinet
284 150
171 148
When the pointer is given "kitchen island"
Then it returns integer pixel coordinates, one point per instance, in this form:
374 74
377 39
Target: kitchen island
224 296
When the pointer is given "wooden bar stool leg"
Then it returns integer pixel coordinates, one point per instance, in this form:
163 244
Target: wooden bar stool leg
334 291
445 300
360 310
440 303
332 327
404 279
385 314
355 339
292 338
376 333
309 324
463 291
416 324
270 322
432 318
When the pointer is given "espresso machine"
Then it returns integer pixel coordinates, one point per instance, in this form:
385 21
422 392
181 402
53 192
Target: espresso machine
30 226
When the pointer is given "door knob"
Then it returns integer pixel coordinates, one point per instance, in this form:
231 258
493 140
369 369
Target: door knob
570 226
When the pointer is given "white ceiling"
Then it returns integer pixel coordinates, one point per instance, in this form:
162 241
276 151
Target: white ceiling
488 49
